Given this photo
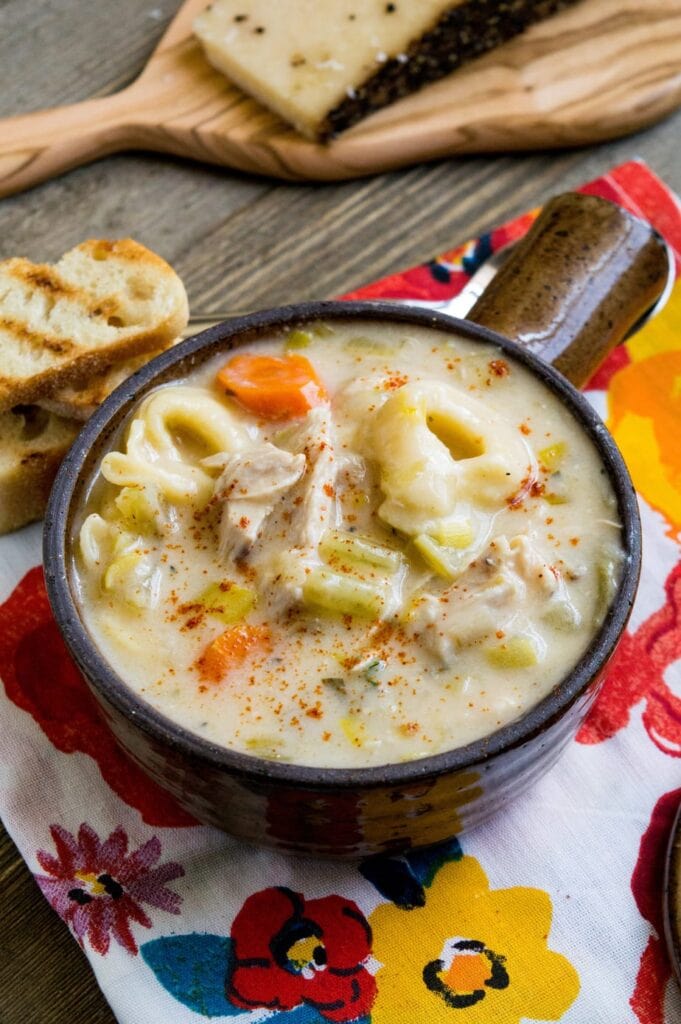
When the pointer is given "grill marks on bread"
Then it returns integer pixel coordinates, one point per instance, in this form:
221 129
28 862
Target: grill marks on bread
102 303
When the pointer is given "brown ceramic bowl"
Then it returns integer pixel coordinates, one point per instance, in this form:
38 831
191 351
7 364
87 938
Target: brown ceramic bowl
329 811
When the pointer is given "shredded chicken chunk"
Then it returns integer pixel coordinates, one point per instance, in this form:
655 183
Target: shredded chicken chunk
249 486
488 596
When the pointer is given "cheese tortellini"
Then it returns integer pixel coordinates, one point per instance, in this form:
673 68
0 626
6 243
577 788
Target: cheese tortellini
153 455
436 448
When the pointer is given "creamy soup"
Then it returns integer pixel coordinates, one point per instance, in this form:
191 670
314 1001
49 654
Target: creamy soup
349 545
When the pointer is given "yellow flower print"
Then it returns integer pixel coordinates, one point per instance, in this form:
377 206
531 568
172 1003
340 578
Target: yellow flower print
469 956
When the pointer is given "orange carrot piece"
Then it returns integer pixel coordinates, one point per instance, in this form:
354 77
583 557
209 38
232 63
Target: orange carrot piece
230 649
271 386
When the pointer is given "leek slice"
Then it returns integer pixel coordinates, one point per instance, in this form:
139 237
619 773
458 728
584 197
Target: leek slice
336 544
227 601
445 561
344 595
297 339
516 652
552 456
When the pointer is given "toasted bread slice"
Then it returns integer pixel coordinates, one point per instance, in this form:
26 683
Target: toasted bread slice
80 403
102 303
32 444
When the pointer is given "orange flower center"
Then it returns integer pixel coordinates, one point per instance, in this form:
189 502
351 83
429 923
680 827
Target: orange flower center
467 972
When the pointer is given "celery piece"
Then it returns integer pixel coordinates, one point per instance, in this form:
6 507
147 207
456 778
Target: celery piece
125 542
336 683
335 544
297 339
561 614
342 594
454 533
370 669
362 343
552 456
136 509
354 731
131 576
445 561
555 492
607 580
321 329
227 601
267 747
517 652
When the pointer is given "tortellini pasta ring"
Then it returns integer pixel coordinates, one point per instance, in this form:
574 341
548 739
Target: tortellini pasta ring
152 454
195 412
437 446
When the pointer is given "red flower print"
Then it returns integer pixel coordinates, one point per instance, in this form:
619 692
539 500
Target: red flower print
290 951
654 970
636 673
97 888
40 678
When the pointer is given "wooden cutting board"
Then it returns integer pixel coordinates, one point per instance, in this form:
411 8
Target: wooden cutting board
596 71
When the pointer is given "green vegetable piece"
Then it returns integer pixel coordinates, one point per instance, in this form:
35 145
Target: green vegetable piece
343 595
454 533
562 615
362 343
552 456
298 339
336 683
371 669
336 544
608 578
516 652
445 561
556 492
227 601
130 577
137 510
267 747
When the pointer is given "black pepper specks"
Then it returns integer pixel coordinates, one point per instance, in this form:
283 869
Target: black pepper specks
241 17
390 8
259 30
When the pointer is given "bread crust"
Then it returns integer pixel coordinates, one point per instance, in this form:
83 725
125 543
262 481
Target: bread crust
29 465
102 303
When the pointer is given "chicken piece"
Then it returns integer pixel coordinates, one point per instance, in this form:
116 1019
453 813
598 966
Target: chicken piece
488 595
312 505
250 485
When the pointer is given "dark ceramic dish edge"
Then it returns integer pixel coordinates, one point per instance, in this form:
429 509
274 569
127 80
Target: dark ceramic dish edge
57 533
672 896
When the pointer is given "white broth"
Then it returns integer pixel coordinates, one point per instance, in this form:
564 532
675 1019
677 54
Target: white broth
386 543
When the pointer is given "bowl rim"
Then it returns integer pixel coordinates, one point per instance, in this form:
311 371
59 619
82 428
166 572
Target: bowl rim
70 488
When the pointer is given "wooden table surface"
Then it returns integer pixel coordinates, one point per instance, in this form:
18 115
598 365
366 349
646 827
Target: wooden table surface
237 242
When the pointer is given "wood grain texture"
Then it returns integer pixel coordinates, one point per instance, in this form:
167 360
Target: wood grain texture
238 242
596 71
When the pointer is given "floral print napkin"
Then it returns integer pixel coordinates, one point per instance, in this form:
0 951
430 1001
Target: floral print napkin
552 911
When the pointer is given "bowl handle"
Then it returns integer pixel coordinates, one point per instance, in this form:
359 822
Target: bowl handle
583 276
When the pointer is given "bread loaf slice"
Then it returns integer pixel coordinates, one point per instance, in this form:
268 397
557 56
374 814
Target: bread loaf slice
32 444
323 65
80 403
101 303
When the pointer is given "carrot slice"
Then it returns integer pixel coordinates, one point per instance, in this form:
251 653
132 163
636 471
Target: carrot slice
230 649
271 386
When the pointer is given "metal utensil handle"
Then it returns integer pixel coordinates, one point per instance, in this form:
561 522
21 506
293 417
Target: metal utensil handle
572 289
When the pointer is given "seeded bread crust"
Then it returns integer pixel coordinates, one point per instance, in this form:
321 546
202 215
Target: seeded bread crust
32 445
462 33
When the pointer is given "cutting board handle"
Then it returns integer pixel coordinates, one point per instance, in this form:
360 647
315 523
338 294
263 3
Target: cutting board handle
572 289
37 146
